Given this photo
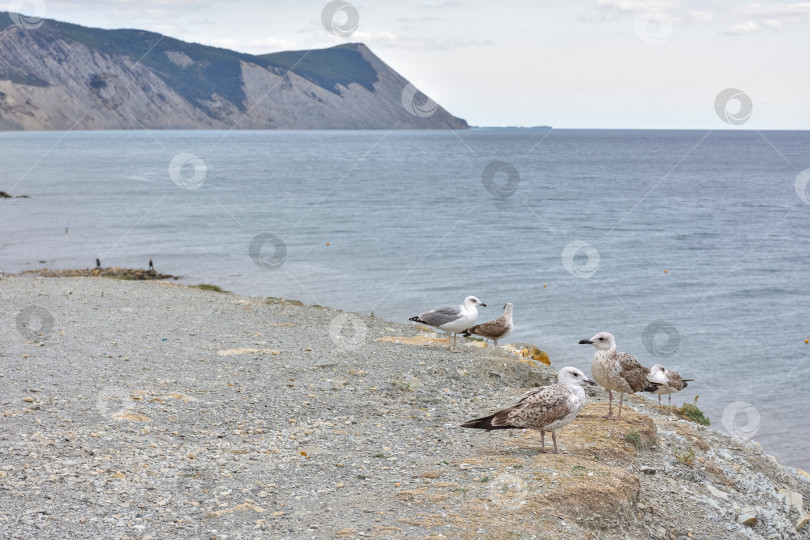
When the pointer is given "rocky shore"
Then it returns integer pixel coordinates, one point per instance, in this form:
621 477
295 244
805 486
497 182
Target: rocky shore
4 195
140 410
116 272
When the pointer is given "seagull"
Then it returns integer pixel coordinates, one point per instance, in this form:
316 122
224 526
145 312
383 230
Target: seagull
98 264
151 266
547 408
617 372
496 329
453 319
669 380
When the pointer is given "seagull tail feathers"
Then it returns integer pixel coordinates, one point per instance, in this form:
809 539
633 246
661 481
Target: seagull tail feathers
486 423
654 386
417 319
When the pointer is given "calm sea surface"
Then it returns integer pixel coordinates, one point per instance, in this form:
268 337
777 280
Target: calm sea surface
692 247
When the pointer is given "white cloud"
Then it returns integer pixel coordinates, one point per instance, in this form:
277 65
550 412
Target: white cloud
634 6
448 4
741 29
412 42
736 18
360 35
796 10
701 16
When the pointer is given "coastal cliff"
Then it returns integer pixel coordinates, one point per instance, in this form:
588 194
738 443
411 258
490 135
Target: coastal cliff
136 409
61 76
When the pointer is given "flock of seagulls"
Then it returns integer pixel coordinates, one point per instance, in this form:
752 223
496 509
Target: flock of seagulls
551 408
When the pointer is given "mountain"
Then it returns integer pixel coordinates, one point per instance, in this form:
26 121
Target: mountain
60 76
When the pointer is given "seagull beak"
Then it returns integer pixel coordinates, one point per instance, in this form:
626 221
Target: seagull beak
483 304
585 342
592 383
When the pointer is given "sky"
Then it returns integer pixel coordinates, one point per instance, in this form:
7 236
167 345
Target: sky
655 64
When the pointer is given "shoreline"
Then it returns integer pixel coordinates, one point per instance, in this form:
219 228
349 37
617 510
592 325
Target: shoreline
255 415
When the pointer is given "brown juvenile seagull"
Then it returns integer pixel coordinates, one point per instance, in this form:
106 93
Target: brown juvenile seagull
617 372
669 380
496 329
547 408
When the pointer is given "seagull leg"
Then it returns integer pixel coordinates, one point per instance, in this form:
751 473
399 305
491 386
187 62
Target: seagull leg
621 402
659 400
610 405
542 441
495 341
609 415
670 400
554 438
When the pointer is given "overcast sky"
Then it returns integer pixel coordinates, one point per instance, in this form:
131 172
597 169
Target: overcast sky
565 63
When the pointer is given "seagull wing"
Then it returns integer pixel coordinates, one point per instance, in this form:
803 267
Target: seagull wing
438 317
491 329
636 375
537 409
674 381
541 408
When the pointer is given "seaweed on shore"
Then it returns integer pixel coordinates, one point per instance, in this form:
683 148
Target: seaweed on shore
209 287
272 300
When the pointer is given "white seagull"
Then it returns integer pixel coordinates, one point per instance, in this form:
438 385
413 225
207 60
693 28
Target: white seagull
547 408
669 380
495 329
617 372
453 319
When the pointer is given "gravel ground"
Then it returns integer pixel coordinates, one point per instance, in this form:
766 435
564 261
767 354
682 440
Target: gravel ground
152 410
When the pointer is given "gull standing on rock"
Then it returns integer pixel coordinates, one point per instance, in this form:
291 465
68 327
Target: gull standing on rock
495 329
617 372
547 408
453 319
669 380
